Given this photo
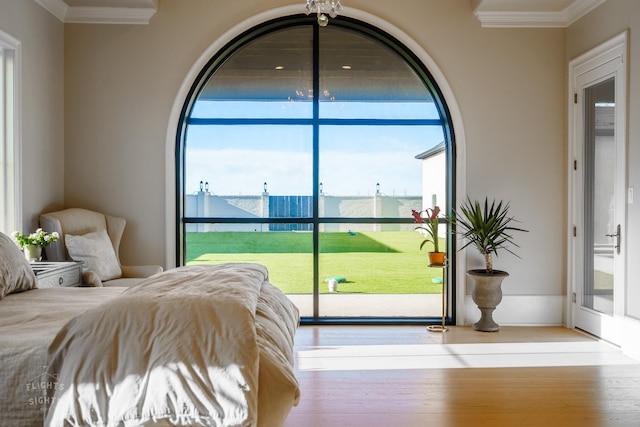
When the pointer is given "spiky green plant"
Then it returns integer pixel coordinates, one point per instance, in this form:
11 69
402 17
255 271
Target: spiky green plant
487 227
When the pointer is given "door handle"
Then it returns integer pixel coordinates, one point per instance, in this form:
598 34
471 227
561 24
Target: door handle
617 236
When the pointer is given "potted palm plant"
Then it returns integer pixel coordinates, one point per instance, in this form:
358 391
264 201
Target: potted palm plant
487 227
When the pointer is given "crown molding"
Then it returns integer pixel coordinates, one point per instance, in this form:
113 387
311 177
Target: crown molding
99 15
109 15
528 19
578 9
488 18
501 19
57 8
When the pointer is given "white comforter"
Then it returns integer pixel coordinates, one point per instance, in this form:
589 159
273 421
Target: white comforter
28 322
197 345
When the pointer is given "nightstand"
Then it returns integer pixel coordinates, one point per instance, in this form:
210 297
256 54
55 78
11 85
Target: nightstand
57 274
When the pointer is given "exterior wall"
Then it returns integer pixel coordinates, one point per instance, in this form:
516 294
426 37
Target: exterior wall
433 169
205 204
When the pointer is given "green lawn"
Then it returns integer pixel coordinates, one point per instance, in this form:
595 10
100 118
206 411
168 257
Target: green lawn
387 262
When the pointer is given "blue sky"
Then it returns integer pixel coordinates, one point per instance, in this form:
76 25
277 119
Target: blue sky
239 159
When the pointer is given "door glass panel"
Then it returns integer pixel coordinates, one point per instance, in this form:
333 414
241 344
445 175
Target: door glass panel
379 171
361 78
239 171
288 255
369 270
256 83
599 207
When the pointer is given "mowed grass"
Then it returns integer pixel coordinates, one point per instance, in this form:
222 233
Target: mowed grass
387 262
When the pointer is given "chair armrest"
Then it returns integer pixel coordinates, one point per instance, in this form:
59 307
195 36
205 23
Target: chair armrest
140 271
91 278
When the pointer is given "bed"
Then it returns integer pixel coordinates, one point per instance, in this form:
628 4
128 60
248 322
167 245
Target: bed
196 345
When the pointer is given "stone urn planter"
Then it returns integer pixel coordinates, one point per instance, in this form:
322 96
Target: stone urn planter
487 227
486 294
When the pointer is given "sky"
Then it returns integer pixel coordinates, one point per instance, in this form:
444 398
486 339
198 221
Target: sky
238 159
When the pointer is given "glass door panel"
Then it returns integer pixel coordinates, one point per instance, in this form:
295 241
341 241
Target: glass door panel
365 162
599 209
376 270
288 255
600 189
237 162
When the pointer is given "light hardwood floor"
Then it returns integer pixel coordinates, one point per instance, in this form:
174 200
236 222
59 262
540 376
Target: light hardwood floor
406 376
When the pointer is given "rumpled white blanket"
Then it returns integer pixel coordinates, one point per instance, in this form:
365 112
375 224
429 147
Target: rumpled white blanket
28 322
181 348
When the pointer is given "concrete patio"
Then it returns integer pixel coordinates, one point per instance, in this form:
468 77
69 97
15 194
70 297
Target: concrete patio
366 305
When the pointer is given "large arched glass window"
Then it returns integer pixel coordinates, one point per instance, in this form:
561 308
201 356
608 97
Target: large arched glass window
306 149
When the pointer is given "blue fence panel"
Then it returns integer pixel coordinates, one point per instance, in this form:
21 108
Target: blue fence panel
290 207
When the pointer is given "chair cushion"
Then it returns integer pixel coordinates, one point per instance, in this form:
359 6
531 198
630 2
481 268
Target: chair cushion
96 252
16 274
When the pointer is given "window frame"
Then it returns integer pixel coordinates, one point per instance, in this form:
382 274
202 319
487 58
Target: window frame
446 122
10 133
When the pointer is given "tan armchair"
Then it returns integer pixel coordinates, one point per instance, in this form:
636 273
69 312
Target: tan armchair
72 224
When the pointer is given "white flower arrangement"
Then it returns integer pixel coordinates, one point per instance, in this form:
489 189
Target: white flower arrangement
38 238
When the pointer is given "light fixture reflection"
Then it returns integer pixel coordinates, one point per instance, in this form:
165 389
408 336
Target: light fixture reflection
321 8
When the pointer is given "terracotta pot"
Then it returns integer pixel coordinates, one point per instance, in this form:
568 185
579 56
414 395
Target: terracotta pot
487 294
436 258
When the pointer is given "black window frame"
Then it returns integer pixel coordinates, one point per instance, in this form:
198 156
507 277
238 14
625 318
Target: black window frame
316 122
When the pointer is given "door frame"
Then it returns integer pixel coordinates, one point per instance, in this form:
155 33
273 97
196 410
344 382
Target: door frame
615 49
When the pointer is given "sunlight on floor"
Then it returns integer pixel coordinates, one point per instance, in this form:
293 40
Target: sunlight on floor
451 356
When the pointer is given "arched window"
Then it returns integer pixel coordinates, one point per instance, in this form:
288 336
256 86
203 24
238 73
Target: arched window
306 149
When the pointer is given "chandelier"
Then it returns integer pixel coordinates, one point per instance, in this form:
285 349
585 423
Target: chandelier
320 7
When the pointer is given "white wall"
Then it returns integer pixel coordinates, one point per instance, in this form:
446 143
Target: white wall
42 95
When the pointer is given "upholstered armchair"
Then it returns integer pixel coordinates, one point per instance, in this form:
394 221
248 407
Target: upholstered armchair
93 238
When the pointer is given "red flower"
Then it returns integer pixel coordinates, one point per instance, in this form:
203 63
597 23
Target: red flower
416 215
430 227
434 212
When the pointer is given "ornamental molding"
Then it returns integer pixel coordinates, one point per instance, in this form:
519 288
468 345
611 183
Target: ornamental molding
99 14
535 19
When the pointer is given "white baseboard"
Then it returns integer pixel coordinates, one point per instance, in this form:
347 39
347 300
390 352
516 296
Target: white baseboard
630 334
522 310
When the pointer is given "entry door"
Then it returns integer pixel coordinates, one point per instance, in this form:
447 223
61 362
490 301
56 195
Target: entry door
601 196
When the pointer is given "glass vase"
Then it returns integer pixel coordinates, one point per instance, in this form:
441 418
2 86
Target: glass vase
33 253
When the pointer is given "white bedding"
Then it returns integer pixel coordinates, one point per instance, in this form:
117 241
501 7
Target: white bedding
28 322
197 345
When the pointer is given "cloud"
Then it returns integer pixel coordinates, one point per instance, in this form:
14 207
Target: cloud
239 171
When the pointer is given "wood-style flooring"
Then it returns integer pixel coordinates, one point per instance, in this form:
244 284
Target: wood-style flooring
406 376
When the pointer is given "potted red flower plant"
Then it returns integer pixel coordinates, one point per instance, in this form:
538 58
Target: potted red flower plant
429 220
